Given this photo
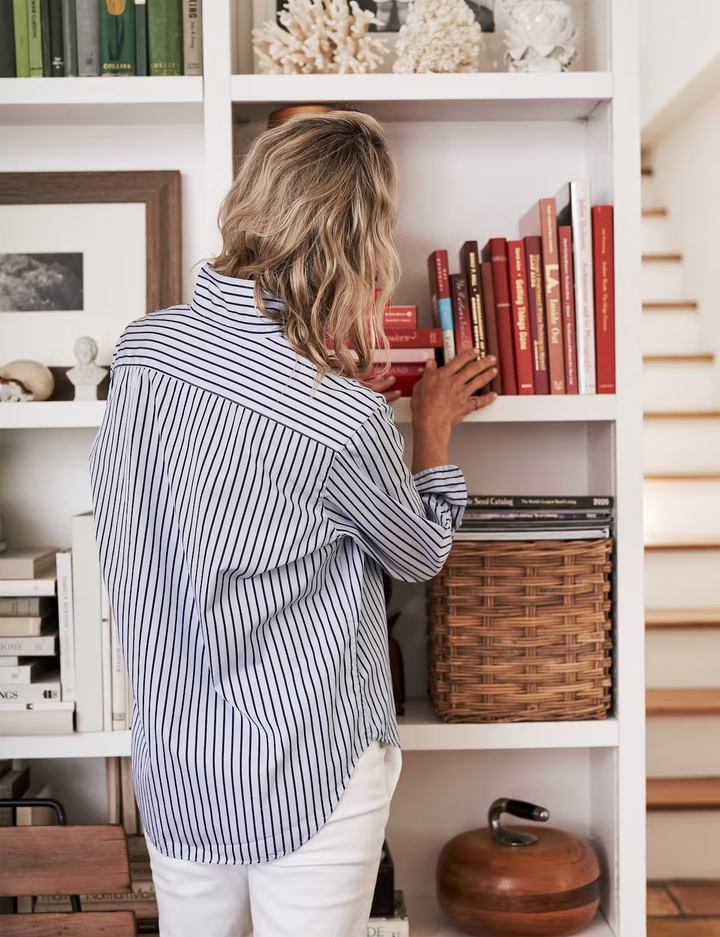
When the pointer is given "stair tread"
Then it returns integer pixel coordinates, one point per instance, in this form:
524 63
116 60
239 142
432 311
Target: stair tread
670 257
682 546
683 927
671 304
683 476
683 702
660 902
682 617
683 793
682 414
654 212
703 356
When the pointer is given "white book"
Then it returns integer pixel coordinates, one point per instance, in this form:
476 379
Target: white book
119 681
23 671
14 588
88 625
26 606
573 203
41 646
36 718
37 816
46 688
129 805
112 773
395 926
30 563
66 624
10 660
17 626
107 661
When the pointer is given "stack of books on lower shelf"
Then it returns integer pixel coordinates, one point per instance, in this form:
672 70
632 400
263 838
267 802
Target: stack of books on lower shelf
410 348
530 517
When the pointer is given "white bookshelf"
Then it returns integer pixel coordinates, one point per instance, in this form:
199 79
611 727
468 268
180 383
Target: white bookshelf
474 152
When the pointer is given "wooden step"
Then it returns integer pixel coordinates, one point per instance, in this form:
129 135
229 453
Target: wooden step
682 618
684 908
654 212
683 702
683 927
667 306
683 794
662 258
706 357
682 415
682 547
682 477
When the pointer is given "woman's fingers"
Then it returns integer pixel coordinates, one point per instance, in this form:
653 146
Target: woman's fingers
479 403
480 381
475 367
459 361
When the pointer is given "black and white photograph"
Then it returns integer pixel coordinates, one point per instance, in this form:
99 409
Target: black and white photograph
41 282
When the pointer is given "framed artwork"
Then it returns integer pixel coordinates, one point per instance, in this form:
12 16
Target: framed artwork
84 253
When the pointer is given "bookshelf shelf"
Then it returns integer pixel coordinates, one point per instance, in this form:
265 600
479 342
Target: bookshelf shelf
492 96
78 745
83 100
51 415
426 920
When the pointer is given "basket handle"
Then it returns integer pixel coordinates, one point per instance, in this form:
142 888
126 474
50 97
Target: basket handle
517 808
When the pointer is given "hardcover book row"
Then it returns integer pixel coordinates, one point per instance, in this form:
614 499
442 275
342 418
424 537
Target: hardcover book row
87 38
543 305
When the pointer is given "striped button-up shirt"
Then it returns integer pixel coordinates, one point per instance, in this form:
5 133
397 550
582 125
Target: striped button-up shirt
244 515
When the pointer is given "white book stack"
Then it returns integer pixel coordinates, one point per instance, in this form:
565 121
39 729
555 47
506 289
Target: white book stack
31 700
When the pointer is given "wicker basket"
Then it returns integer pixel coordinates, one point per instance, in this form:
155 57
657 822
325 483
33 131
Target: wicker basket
521 632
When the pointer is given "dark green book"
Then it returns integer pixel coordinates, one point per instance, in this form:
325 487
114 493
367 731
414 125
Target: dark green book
57 52
70 42
45 37
22 53
117 37
7 40
165 37
35 39
141 38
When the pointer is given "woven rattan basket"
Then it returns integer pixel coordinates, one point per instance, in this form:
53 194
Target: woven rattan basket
521 632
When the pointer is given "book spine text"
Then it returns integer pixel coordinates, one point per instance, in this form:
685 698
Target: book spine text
519 299
604 268
567 294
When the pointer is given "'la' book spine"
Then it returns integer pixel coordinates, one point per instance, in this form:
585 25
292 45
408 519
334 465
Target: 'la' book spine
521 330
567 295
536 308
441 302
604 266
496 253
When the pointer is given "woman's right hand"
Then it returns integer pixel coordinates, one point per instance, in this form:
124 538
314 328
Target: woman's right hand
444 396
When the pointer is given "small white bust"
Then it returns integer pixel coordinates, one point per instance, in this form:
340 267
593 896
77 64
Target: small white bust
86 375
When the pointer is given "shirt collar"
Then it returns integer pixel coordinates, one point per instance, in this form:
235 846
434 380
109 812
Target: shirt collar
231 299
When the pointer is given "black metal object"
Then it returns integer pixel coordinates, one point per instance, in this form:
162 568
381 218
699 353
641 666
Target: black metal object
14 802
518 808
383 904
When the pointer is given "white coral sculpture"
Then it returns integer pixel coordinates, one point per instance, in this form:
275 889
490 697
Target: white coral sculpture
541 36
320 36
439 36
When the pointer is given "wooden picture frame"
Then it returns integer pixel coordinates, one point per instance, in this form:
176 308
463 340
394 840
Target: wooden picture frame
159 191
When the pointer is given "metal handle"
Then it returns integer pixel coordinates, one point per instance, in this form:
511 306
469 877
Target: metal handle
518 808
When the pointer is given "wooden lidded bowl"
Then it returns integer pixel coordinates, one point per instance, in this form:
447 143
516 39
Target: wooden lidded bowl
510 883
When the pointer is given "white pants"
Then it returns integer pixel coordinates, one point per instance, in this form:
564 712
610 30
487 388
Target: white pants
325 887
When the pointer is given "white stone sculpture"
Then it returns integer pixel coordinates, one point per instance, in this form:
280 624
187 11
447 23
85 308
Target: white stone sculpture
438 36
34 378
86 375
320 37
541 35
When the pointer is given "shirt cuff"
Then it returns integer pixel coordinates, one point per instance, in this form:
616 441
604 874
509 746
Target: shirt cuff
444 483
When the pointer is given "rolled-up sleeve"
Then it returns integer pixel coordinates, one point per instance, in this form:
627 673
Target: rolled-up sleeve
404 522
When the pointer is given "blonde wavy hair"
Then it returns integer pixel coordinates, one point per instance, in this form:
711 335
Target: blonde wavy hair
309 218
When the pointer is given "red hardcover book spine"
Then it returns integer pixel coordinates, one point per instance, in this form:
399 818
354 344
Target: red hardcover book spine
461 313
486 276
567 296
521 331
470 266
406 377
536 311
400 317
496 253
553 303
439 276
604 266
414 338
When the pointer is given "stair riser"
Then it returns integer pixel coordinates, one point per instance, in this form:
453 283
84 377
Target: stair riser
663 281
683 746
679 385
657 236
689 510
681 445
671 333
683 844
683 658
682 579
649 192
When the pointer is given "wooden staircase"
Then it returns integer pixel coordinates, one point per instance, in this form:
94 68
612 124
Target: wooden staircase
684 908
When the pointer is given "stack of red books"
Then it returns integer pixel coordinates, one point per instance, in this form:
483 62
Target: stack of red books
410 347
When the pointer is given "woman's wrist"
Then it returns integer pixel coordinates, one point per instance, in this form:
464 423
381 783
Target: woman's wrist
431 441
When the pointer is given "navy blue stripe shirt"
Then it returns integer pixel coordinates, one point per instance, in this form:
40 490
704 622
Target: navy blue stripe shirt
244 514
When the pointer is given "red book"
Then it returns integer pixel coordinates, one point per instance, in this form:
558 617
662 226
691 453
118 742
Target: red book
521 329
496 253
567 296
486 276
542 220
536 310
400 317
439 277
461 313
414 338
604 267
404 355
406 377
470 266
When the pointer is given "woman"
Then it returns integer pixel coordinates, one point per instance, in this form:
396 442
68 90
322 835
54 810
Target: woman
248 492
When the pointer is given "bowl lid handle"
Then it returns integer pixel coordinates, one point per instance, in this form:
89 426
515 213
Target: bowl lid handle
518 808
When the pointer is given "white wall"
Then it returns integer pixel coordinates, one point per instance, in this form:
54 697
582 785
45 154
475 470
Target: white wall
679 39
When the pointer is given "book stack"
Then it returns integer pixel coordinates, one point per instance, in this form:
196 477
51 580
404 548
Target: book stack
543 305
410 347
528 517
31 699
59 38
